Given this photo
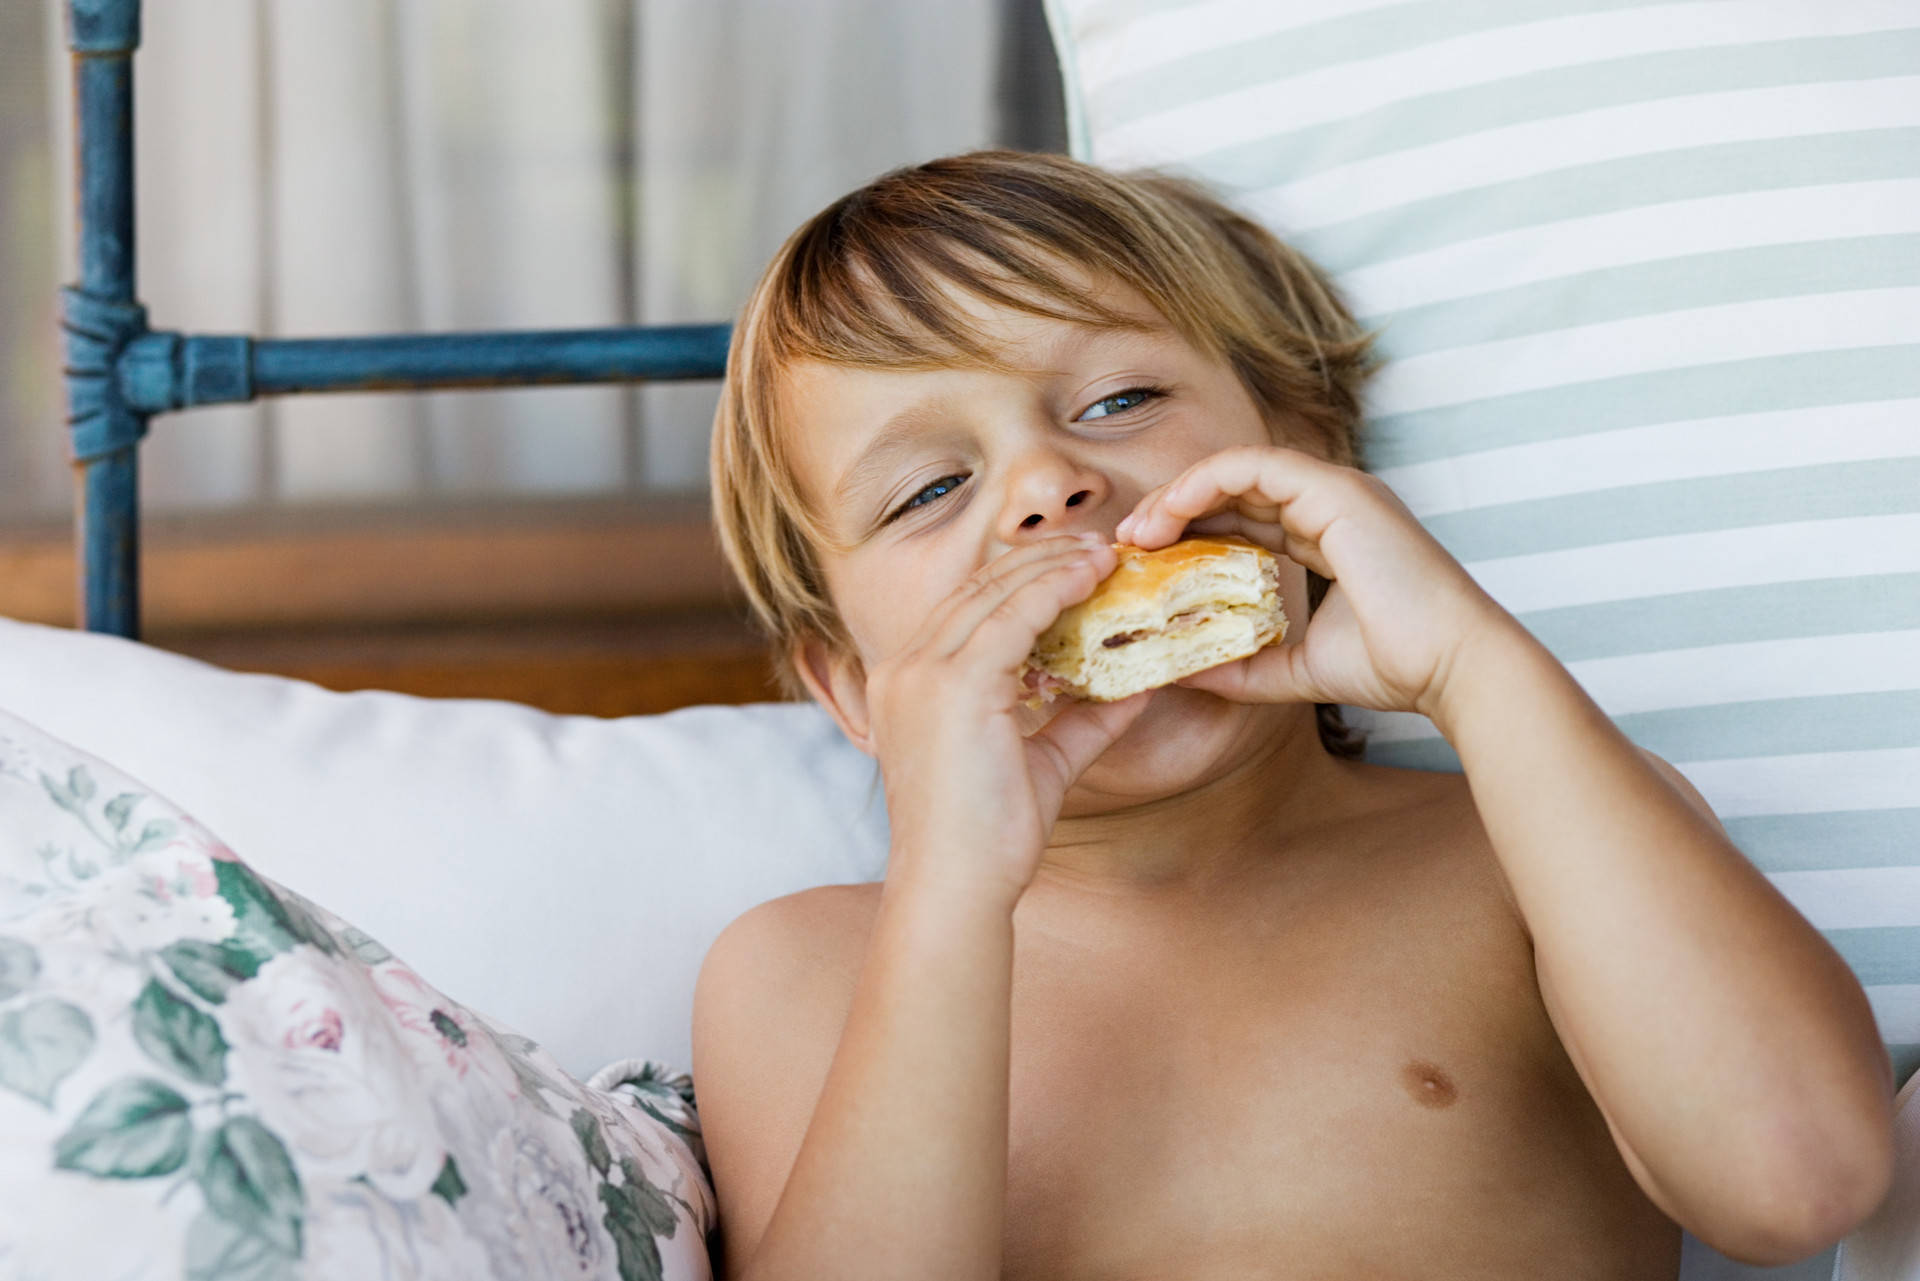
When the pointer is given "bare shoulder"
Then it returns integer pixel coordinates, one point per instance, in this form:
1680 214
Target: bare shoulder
772 997
1432 813
777 982
808 937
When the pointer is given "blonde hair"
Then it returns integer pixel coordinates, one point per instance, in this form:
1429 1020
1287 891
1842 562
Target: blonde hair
864 283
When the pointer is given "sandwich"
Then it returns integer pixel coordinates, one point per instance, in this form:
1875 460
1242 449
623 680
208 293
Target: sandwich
1157 617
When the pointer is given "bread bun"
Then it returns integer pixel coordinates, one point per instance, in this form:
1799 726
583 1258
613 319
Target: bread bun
1157 617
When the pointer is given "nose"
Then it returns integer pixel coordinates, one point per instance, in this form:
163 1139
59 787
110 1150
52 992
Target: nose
1049 493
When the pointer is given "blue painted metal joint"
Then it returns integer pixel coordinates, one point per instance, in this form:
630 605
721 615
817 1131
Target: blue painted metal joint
215 370
103 26
162 371
97 330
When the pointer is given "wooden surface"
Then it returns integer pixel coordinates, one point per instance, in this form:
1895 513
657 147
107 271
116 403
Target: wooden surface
602 609
592 667
360 565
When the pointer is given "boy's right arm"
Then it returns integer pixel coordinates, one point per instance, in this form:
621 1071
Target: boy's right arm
888 1156
885 1157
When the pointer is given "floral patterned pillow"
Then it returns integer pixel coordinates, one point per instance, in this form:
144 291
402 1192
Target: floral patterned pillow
203 1075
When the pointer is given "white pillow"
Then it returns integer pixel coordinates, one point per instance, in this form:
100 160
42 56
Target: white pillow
1887 1246
507 854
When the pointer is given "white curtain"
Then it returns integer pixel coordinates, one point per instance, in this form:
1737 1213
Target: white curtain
313 167
756 114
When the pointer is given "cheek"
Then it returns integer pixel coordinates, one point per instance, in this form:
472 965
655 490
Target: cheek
1226 419
859 607
885 600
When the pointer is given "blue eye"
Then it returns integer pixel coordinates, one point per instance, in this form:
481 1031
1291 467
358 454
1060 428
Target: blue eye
1131 398
945 485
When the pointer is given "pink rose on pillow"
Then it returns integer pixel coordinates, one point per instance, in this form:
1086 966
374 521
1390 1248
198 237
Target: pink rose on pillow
320 1056
443 1034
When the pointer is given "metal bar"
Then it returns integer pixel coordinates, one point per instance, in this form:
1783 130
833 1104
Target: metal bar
100 316
156 372
420 362
119 373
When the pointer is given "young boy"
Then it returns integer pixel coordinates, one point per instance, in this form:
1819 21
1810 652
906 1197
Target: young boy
1177 986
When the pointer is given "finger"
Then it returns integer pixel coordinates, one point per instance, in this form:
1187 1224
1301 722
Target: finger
1123 531
1148 525
1262 480
1076 571
1149 501
1160 519
1268 534
1295 492
960 615
1270 676
1075 738
1151 525
1004 637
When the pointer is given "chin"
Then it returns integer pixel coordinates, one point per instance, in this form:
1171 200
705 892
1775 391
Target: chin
1184 737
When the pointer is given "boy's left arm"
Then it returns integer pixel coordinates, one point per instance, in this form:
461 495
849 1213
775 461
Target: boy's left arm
1729 1047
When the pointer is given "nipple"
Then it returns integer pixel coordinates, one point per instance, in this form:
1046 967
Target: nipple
1429 1086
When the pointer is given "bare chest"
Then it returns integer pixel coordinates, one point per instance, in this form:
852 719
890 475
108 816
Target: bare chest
1368 1087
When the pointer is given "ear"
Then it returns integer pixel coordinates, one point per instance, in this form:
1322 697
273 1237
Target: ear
838 683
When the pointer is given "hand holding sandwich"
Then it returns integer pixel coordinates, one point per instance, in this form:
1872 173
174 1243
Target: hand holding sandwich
970 796
1400 613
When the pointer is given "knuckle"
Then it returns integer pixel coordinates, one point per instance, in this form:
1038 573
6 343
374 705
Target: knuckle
1236 458
1013 615
1006 612
1070 567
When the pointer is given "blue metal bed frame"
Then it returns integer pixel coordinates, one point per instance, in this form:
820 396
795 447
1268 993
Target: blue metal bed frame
120 373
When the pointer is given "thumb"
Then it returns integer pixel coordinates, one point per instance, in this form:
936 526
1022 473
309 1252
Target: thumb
1075 738
1273 675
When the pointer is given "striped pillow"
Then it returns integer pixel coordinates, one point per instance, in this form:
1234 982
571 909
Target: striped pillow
1648 277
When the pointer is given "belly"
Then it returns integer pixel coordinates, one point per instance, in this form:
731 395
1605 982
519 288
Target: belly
1325 1102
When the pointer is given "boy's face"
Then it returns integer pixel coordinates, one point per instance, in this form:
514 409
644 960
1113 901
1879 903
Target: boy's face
927 475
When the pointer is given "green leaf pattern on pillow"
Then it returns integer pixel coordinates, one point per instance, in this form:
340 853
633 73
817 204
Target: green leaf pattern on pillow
225 1082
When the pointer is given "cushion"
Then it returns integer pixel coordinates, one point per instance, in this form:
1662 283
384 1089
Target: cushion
1887 1246
1647 281
233 1082
564 873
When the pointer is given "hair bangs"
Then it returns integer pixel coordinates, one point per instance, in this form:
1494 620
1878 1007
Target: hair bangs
890 297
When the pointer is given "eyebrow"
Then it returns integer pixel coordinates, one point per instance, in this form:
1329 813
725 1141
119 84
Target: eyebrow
904 432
